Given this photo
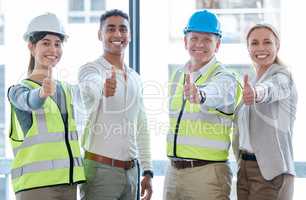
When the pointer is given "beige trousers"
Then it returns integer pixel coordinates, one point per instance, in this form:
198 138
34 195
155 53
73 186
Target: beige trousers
252 186
60 192
209 182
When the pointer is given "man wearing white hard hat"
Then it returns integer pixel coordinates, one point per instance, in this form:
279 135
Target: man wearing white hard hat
47 161
203 98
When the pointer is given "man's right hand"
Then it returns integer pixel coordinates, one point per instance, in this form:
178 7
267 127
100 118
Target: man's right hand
48 85
110 84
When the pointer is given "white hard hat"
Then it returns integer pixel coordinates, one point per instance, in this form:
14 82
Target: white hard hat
46 22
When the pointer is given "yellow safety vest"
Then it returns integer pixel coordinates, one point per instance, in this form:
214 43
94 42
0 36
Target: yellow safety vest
49 153
194 133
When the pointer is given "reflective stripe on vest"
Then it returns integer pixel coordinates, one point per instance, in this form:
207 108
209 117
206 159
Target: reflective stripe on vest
202 134
45 138
199 142
45 165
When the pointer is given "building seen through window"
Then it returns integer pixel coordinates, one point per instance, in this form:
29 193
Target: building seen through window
237 16
85 11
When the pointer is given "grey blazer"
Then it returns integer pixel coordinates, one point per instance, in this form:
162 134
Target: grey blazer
271 124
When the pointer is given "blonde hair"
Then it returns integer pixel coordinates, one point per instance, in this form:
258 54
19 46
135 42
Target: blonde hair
270 28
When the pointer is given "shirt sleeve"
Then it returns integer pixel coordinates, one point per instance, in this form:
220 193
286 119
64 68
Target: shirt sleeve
25 99
91 86
143 138
220 93
275 88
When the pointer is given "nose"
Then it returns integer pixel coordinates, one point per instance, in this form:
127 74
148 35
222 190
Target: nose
53 48
117 33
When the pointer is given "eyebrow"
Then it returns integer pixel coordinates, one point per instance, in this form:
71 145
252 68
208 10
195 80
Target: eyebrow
46 39
113 25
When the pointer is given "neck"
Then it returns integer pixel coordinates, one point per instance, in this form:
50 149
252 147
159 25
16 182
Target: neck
116 60
195 66
260 70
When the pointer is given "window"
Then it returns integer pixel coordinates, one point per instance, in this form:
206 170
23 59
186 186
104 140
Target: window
85 11
237 16
1 30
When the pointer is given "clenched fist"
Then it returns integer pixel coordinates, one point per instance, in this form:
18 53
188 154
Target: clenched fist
110 84
48 86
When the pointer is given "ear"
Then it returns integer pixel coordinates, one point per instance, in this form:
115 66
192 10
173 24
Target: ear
218 44
31 47
100 35
185 41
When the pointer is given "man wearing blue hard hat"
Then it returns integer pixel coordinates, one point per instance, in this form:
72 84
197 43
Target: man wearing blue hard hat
203 98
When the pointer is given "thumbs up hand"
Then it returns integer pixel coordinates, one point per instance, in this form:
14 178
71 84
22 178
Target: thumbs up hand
110 84
191 91
249 94
48 86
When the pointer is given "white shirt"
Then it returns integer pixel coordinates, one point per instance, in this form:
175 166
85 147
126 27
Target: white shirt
118 124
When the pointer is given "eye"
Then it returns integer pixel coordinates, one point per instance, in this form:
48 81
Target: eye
193 39
46 43
58 44
268 42
123 30
111 29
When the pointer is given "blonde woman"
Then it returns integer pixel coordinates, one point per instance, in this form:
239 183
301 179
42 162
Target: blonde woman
265 122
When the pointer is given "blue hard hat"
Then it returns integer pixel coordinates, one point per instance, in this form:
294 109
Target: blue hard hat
203 21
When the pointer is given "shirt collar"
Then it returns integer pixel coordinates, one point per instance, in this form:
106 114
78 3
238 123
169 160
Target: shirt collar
203 69
107 65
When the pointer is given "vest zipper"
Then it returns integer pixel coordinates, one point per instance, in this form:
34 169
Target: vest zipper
67 139
177 126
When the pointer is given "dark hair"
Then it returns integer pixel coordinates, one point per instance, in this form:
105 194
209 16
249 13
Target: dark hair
110 13
34 38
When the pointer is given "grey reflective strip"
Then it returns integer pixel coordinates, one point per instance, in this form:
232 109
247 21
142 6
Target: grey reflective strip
41 121
45 138
45 166
175 81
212 118
199 142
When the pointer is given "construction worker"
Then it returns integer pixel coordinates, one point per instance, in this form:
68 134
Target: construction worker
203 98
263 145
47 163
116 135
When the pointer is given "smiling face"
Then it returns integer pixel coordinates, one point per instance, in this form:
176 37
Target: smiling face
201 46
115 35
263 47
47 51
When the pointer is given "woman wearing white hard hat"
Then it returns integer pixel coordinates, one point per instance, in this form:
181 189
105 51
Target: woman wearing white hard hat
265 122
47 163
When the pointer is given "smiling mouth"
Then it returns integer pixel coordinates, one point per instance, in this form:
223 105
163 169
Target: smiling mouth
117 43
261 56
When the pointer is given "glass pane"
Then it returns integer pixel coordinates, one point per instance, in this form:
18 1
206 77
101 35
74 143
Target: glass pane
97 5
76 19
94 19
1 35
1 30
76 5
235 26
226 4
